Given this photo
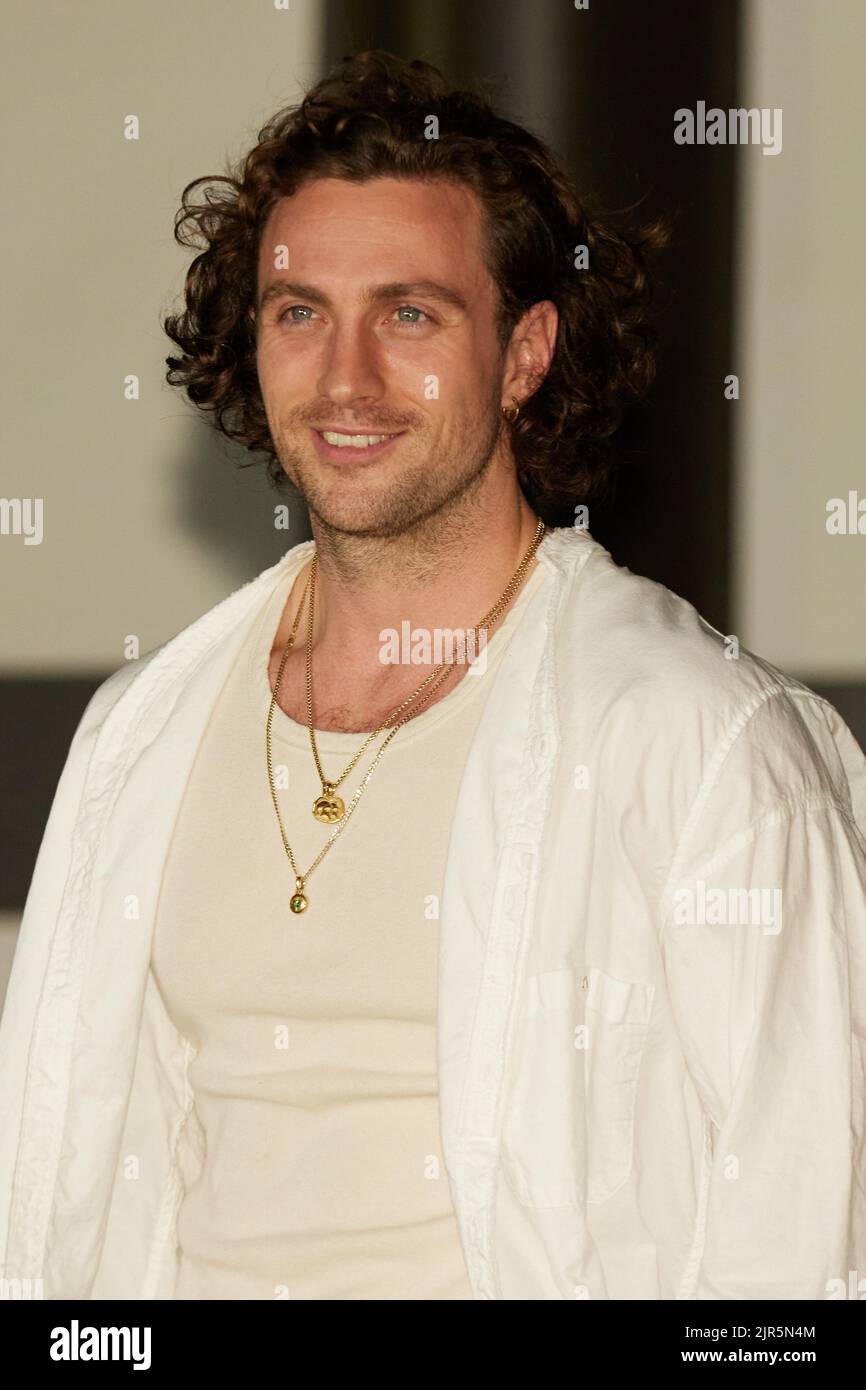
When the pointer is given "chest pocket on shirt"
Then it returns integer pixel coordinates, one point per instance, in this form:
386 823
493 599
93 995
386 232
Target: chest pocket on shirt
569 1128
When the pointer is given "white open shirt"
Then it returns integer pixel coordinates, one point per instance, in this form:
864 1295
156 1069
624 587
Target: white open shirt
651 1075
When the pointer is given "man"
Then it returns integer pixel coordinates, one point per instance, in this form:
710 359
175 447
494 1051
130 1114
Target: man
353 969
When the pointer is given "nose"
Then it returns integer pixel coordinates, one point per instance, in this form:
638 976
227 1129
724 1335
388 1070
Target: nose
351 370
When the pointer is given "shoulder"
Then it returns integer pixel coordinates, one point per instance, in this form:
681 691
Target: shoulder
180 654
643 641
686 703
106 695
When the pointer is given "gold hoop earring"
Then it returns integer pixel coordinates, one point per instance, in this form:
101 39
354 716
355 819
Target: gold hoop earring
511 412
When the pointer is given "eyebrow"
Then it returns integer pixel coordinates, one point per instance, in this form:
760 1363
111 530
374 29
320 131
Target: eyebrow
396 289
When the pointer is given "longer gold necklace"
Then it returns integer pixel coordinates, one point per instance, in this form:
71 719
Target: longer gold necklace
329 808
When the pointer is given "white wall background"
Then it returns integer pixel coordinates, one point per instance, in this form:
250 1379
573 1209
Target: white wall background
800 594
147 523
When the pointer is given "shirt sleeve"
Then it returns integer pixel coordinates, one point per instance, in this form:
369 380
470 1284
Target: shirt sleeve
764 951
35 940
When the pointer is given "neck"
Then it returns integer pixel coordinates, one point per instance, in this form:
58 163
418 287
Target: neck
443 574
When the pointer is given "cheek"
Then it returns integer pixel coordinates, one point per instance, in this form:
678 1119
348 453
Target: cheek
271 355
265 365
448 394
284 378
411 374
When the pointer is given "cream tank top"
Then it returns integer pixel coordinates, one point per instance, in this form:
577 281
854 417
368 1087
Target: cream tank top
312 1164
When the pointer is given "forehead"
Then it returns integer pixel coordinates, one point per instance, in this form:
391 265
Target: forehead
390 228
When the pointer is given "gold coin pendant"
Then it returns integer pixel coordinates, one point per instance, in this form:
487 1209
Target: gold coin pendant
329 808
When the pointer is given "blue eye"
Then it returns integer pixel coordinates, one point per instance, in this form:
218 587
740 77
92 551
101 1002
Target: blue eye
291 309
287 315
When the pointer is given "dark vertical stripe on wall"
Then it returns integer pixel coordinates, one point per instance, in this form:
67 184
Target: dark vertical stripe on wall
601 86
37 720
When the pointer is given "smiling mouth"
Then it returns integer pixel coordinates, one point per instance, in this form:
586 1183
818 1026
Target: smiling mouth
354 441
340 447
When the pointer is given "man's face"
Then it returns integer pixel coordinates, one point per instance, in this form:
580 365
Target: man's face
382 323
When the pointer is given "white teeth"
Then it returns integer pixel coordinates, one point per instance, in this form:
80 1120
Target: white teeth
355 441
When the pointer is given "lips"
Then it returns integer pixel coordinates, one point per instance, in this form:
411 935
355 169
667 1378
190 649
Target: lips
345 439
352 453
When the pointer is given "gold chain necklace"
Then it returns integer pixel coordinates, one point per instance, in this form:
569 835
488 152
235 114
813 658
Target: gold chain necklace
329 808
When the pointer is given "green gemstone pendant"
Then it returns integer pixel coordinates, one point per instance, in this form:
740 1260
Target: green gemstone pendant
298 901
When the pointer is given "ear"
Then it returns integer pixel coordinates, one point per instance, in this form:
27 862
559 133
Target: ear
531 349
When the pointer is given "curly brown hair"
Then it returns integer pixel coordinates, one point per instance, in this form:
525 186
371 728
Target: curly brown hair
366 119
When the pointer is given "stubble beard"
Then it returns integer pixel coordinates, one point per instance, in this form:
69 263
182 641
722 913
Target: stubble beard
427 510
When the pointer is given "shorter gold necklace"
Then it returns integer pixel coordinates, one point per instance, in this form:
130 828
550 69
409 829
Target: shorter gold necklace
329 808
